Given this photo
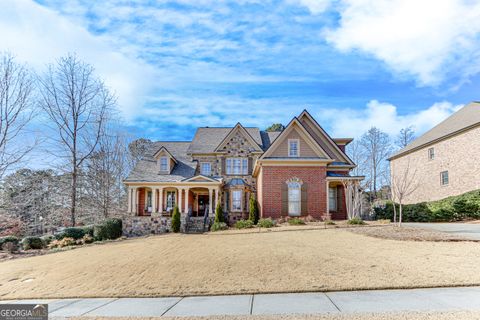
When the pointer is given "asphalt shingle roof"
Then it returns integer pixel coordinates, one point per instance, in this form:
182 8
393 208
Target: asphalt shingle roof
207 139
464 118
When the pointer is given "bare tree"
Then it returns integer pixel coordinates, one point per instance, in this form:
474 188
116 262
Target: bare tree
376 146
76 103
403 183
353 198
137 149
16 111
405 136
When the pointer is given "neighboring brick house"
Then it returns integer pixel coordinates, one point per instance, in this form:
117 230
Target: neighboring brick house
296 172
445 160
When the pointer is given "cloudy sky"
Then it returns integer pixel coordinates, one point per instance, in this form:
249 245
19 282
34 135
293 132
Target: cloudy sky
175 65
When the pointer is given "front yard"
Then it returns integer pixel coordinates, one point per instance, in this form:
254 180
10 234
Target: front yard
235 263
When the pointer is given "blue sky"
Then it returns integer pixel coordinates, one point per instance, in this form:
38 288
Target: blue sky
176 65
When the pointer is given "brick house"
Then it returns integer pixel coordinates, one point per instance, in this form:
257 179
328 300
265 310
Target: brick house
296 172
445 160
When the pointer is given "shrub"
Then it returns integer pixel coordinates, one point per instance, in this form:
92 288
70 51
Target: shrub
72 232
244 224
253 214
329 222
356 220
47 239
219 213
218 226
176 223
8 239
29 243
88 230
266 223
65 242
88 239
10 246
295 221
110 229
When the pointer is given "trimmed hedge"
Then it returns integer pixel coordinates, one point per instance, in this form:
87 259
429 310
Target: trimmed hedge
266 223
71 232
218 226
295 221
464 206
244 224
29 243
88 230
7 239
108 230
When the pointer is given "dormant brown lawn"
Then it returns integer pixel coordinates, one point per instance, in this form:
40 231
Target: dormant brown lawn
307 260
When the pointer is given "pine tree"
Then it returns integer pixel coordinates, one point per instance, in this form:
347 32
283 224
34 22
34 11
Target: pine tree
219 214
253 216
176 223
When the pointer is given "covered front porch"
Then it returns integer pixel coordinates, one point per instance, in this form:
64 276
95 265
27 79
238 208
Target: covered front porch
194 197
343 196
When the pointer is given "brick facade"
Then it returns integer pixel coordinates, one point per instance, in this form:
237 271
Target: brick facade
273 177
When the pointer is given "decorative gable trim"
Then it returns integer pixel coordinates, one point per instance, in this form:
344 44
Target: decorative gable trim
331 141
200 178
238 127
157 154
295 124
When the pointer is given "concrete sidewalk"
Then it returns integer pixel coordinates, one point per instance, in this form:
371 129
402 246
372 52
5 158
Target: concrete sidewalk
466 230
435 299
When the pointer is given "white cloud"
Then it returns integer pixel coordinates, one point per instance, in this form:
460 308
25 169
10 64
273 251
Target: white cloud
38 36
316 6
427 39
385 116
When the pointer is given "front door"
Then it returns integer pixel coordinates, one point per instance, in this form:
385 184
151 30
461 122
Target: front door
202 204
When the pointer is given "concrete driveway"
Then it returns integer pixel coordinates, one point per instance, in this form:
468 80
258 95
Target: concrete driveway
465 230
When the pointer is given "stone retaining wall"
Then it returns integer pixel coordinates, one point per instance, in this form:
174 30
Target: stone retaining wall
145 225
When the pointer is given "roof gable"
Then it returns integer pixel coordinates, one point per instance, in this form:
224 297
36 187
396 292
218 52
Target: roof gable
163 151
200 178
323 138
241 130
296 126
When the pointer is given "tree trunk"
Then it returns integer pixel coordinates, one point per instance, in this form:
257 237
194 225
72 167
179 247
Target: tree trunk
74 195
394 212
400 215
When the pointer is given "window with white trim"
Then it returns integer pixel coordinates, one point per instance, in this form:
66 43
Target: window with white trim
205 168
236 166
332 199
294 198
293 147
164 164
236 200
170 200
431 153
444 178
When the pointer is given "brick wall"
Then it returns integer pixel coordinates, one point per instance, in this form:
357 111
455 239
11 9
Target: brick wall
273 177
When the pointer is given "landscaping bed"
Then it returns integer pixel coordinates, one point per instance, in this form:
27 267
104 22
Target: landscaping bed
266 262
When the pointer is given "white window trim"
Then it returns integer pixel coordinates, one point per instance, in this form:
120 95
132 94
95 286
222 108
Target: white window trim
298 147
289 187
431 156
201 171
231 200
243 172
335 200
160 163
174 200
441 178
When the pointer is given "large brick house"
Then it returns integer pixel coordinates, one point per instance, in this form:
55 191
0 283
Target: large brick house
444 161
296 172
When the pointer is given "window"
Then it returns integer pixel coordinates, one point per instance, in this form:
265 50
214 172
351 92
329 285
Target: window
205 168
294 198
444 178
237 166
293 148
170 200
431 154
332 199
163 164
237 200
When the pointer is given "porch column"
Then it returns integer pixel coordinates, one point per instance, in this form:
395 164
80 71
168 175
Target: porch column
328 200
129 200
160 200
186 199
210 211
216 196
154 200
134 201
180 199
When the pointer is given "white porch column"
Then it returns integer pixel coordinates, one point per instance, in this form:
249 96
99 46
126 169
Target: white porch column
186 199
160 200
129 200
328 199
134 200
154 200
180 199
210 211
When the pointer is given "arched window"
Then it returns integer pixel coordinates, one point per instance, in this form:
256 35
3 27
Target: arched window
294 198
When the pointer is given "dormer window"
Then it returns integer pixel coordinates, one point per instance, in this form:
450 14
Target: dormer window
164 164
293 147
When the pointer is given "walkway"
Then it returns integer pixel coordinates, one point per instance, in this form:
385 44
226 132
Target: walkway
465 230
437 299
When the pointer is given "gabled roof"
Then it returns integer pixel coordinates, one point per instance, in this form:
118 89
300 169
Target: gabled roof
295 123
207 139
202 178
330 147
464 119
163 149
238 128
